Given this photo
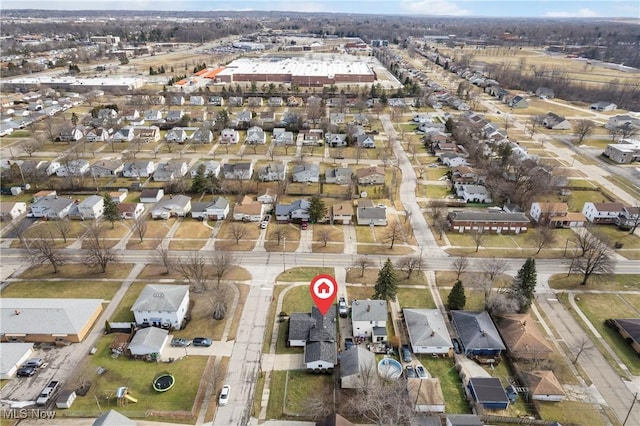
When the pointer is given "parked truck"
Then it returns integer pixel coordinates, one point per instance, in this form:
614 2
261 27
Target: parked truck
48 392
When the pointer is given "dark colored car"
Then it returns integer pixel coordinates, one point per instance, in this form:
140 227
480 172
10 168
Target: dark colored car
406 353
422 373
26 371
304 225
202 341
457 347
180 342
348 343
410 372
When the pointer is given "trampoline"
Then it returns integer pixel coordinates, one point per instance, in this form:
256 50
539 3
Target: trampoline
163 382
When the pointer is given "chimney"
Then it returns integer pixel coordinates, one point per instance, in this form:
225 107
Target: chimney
433 333
368 308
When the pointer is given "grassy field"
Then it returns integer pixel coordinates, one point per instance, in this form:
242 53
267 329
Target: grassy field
276 395
304 274
444 369
417 298
572 412
609 283
62 289
302 388
78 271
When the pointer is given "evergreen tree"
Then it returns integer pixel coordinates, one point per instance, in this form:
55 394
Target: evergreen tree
456 299
199 183
387 283
110 210
523 286
317 209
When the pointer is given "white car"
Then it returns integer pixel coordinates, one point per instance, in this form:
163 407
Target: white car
224 395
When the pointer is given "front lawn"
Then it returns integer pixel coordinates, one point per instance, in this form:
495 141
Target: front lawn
79 271
608 283
416 298
303 274
572 412
62 289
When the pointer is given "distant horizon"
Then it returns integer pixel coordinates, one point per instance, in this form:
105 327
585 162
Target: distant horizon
629 9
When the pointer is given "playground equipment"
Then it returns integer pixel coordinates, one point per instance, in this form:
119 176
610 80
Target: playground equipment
163 382
123 396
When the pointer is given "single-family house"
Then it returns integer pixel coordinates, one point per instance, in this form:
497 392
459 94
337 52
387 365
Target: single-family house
157 100
473 193
543 385
336 118
518 102
176 100
296 211
273 172
153 115
317 334
147 134
107 113
542 213
139 169
478 334
236 101
210 168
357 368
602 213
426 395
171 206
243 119
51 207
73 168
130 114
522 337
366 141
282 137
196 100
366 315
97 134
170 170
545 93
267 196
467 175
218 209
463 420
202 136
177 134
427 331
370 176
275 101
338 175
625 152
106 168
629 217
342 212
618 121
229 136
91 207
256 136
255 101
294 101
453 159
216 100
336 140
488 222
555 122
10 210
267 117
151 195
311 137
130 211
306 173
48 320
124 134
248 210
488 392
369 214
361 119
241 171
320 357
174 115
603 106
44 194
52 167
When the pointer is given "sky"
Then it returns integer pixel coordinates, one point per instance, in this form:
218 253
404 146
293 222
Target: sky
494 8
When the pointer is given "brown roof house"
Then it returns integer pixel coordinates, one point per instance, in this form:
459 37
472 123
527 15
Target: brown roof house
556 215
370 176
522 337
543 385
248 210
342 212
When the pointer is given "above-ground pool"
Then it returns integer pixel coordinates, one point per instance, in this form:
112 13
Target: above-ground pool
163 382
389 368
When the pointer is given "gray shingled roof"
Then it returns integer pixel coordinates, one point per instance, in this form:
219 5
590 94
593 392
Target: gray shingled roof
426 327
113 418
313 327
147 341
369 310
320 351
46 316
160 297
356 359
299 325
476 330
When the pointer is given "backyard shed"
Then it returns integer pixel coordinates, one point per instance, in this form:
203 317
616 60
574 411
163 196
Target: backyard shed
65 399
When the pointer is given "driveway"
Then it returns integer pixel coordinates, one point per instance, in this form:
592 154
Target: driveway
216 349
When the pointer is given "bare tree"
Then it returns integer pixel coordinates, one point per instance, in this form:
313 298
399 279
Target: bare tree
237 231
410 264
543 237
460 265
584 240
162 255
363 262
324 235
392 233
501 303
62 227
98 253
223 262
140 227
493 267
30 146
583 345
583 129
194 270
478 238
41 250
385 404
597 260
219 300
281 232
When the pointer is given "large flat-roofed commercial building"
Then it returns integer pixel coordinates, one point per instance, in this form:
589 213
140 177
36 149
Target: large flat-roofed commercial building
303 72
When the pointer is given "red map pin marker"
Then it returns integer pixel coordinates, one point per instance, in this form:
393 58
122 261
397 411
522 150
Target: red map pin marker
323 290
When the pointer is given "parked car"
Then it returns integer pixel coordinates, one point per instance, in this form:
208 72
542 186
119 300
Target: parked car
180 342
342 308
422 373
457 347
202 341
406 353
266 218
224 395
348 343
25 371
304 225
410 372
34 362
263 224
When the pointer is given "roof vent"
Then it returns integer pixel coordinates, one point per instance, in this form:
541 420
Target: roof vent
17 312
368 308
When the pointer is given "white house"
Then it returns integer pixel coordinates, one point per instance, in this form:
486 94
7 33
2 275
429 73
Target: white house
603 106
171 206
427 331
218 209
91 207
141 168
543 385
306 173
162 305
211 168
473 193
267 196
600 213
229 136
256 136
130 211
366 315
242 171
73 168
52 207
248 210
106 168
12 210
